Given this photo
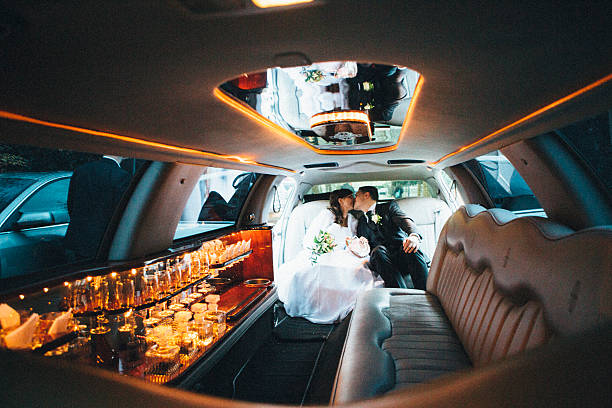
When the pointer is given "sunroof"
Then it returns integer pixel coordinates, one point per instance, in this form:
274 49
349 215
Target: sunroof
338 105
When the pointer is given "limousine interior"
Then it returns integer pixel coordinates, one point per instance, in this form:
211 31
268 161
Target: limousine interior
160 161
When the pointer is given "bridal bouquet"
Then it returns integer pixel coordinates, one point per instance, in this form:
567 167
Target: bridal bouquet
323 243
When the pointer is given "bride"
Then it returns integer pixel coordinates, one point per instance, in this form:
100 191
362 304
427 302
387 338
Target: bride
324 291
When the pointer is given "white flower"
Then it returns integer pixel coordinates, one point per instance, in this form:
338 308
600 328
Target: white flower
376 218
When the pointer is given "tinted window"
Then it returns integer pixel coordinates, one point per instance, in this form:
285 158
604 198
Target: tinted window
51 197
387 190
73 197
216 201
10 188
591 139
504 184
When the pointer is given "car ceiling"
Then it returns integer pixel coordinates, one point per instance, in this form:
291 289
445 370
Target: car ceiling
148 69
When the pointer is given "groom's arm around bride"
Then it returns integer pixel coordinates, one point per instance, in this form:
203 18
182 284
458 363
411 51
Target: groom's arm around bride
394 241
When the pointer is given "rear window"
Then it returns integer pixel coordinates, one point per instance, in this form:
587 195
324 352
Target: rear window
387 190
216 201
504 185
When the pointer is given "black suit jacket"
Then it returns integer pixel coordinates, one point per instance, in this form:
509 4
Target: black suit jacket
95 190
394 227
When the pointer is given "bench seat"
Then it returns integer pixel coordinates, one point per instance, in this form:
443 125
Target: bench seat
498 286
397 337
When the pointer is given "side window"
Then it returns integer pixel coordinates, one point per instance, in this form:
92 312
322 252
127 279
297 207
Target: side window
41 231
52 197
591 139
281 195
504 184
215 202
454 199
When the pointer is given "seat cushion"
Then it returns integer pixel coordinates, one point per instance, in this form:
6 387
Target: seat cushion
423 344
397 337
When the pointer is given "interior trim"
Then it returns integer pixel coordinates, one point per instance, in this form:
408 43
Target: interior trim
532 115
164 146
257 117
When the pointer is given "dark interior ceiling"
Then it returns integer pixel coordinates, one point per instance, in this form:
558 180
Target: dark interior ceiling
147 69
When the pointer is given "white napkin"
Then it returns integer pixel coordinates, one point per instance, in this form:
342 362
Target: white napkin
9 318
60 324
21 337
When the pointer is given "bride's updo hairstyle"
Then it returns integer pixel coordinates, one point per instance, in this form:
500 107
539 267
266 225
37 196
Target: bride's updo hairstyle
334 204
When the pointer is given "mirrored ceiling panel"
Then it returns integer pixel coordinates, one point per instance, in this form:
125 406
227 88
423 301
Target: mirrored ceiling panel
338 105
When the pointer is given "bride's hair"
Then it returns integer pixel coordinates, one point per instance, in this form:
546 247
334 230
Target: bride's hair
334 204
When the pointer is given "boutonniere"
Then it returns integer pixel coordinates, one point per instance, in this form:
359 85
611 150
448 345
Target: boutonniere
376 218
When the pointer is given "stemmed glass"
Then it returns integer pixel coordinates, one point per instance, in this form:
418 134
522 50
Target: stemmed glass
150 284
128 291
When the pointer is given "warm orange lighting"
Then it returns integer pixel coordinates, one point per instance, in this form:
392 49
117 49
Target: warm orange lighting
163 146
89 279
278 3
114 274
341 116
45 290
128 313
255 116
21 297
66 284
526 118
133 271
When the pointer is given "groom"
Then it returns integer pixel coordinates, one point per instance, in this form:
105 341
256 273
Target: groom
394 240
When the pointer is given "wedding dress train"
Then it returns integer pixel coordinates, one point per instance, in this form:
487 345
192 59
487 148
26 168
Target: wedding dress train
324 292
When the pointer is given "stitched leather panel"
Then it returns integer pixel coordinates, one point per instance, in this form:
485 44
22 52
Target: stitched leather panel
423 344
508 284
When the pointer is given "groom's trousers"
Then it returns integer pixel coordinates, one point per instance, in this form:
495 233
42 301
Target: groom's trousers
394 266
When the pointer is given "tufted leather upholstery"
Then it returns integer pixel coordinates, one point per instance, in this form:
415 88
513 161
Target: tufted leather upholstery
505 284
508 284
429 214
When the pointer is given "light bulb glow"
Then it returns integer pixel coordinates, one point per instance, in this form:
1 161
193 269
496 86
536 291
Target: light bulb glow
278 3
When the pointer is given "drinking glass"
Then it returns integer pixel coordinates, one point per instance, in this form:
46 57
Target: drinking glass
218 320
115 290
183 263
128 292
150 287
164 277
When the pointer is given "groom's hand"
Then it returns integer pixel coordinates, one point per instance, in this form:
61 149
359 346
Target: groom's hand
411 244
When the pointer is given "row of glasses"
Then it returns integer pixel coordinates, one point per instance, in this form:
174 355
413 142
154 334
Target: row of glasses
100 293
150 283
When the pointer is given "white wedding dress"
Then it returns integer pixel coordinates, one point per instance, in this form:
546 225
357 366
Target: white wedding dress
324 292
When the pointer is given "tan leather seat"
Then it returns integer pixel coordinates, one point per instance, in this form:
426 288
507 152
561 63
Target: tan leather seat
508 284
498 285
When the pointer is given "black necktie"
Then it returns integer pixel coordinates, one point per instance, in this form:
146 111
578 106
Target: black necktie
369 216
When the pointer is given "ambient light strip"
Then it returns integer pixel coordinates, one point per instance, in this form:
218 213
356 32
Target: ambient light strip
342 116
278 3
257 117
526 118
235 159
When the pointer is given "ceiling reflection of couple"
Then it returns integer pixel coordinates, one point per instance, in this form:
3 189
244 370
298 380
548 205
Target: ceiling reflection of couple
292 96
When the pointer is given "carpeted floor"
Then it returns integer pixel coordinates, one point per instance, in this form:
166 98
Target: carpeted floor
296 365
